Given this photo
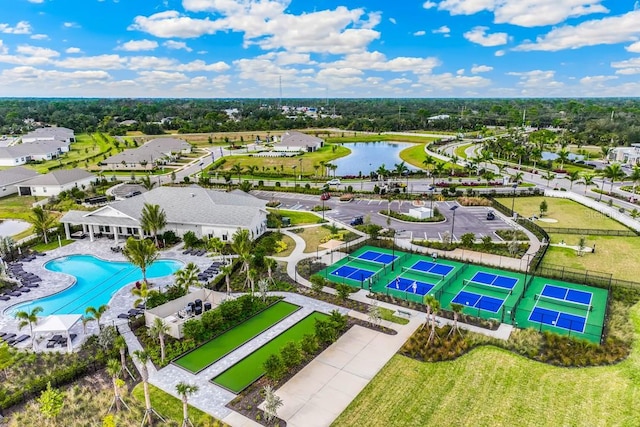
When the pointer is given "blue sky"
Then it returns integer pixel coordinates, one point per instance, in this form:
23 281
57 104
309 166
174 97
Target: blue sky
354 48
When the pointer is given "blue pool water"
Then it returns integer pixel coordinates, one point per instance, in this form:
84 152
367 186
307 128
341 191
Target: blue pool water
96 282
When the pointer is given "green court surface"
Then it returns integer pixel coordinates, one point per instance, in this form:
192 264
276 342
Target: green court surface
211 351
593 313
485 292
250 369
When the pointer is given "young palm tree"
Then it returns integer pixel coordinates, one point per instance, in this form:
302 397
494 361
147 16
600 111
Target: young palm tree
42 221
188 276
29 318
141 253
96 313
113 369
434 309
271 264
237 169
573 177
144 358
147 183
159 329
429 163
549 176
400 168
215 245
226 271
457 309
614 172
241 244
430 302
153 219
587 180
184 391
517 177
142 293
635 177
563 156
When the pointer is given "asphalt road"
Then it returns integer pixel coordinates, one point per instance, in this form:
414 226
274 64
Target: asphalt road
467 219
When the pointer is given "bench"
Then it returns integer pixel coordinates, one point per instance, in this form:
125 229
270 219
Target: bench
403 314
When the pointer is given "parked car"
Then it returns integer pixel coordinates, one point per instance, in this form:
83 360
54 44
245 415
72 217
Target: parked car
334 181
132 194
357 221
491 216
325 196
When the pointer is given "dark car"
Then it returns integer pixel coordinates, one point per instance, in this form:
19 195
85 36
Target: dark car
357 221
491 216
325 196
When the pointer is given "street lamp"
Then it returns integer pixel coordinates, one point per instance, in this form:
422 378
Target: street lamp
294 175
431 190
453 221
513 201
300 162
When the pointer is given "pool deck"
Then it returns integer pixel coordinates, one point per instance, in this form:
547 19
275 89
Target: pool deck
54 282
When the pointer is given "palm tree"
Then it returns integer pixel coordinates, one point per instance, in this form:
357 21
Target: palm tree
141 291
159 329
429 162
42 221
251 169
153 219
143 357
226 271
573 176
271 264
121 345
29 318
241 244
215 245
141 253
435 306
400 168
382 172
147 183
563 156
184 391
187 276
587 180
97 313
457 309
614 172
315 168
635 177
517 177
113 369
252 274
604 150
237 169
549 176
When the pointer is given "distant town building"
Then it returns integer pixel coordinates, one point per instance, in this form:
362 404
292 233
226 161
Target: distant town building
625 155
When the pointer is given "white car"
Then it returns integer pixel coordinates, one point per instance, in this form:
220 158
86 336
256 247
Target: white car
334 181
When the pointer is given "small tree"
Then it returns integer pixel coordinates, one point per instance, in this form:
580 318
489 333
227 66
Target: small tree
343 291
97 313
457 309
543 208
263 288
29 318
184 391
272 403
51 401
159 329
582 243
374 314
291 354
486 241
317 283
274 367
309 344
7 358
513 246
467 239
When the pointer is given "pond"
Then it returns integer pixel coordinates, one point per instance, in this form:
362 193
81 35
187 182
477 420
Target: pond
366 157
11 227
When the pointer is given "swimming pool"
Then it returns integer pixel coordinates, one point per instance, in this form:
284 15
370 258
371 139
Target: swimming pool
97 280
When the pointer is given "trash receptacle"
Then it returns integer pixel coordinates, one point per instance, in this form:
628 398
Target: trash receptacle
286 221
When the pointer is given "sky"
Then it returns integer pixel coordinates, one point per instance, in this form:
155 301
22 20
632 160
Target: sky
318 49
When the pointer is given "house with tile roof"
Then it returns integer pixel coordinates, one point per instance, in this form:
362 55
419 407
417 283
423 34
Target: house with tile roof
208 213
54 183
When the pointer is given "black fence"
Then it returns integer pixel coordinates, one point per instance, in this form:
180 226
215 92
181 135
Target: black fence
592 232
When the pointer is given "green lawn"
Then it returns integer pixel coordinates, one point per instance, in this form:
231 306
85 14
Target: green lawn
460 150
568 213
171 408
16 207
298 217
42 247
494 387
250 369
85 147
415 155
213 350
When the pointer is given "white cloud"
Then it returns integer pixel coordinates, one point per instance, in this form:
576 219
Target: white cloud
73 50
480 69
71 25
378 62
105 62
419 33
172 44
393 21
39 37
596 80
525 13
3 49
267 24
36 1
22 27
37 51
634 47
627 67
537 79
442 30
479 36
429 4
138 45
610 30
158 78
499 52
447 82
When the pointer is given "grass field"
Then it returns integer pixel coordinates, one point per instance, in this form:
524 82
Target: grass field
16 207
312 237
85 147
415 155
213 350
493 387
568 213
249 369
298 217
460 150
614 255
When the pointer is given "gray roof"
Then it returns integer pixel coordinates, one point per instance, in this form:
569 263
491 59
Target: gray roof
15 175
59 177
191 205
60 132
31 148
151 151
292 138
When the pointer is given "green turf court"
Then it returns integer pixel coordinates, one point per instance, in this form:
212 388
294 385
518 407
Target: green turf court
250 369
571 316
212 351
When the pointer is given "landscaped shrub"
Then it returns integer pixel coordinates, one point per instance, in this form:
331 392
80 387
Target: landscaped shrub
274 367
309 344
291 354
437 216
474 201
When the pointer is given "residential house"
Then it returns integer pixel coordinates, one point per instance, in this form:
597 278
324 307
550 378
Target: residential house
155 152
293 140
208 213
12 176
55 182
625 155
20 154
50 134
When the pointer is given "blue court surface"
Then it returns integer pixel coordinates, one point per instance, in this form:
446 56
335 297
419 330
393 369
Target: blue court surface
483 302
566 294
377 257
558 319
494 280
412 286
432 268
352 273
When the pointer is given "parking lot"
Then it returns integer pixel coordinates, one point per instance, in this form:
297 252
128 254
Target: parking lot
467 219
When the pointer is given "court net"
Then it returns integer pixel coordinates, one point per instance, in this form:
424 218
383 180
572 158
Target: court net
564 302
374 264
425 274
486 286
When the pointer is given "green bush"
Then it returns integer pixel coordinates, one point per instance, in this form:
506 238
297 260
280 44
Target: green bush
309 344
274 367
291 354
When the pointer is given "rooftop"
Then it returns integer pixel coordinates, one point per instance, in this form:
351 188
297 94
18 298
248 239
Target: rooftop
59 177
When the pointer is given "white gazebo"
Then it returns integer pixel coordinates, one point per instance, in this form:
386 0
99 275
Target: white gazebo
60 323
